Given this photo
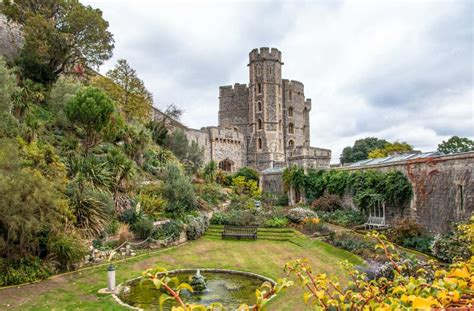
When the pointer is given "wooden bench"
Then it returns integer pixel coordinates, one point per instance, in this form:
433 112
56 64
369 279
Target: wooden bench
240 232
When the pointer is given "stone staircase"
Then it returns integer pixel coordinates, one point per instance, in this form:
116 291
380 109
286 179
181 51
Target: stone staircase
271 234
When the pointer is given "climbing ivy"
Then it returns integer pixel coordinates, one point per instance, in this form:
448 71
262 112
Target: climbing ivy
367 188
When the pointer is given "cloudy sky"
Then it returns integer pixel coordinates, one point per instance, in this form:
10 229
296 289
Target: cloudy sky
399 70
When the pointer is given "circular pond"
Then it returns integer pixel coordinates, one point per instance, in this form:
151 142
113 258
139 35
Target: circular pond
229 287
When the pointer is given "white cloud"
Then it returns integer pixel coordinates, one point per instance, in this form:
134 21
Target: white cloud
399 70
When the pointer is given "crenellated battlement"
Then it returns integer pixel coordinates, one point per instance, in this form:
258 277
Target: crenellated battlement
265 53
293 85
236 90
224 134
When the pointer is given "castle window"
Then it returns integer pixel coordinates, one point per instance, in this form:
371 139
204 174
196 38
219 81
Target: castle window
259 143
290 111
226 165
259 106
259 88
290 95
259 70
291 144
291 128
259 124
270 70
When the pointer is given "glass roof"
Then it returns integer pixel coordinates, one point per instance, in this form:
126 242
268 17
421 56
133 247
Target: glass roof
396 158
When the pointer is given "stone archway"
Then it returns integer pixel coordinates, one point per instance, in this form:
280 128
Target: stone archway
226 165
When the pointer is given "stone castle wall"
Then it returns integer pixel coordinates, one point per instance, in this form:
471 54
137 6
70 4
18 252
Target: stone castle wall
443 190
234 107
11 38
272 113
227 144
294 109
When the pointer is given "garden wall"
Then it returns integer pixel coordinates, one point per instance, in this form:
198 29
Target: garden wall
443 189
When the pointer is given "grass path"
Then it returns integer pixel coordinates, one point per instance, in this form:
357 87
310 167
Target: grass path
78 291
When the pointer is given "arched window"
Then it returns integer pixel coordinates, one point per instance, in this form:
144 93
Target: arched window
291 128
259 106
259 124
290 111
259 143
291 144
259 88
290 95
226 165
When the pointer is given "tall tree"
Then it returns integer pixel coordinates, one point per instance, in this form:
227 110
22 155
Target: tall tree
59 34
8 87
390 148
134 100
360 150
456 144
174 111
90 110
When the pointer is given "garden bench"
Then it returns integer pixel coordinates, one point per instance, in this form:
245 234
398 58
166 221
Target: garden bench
375 222
240 232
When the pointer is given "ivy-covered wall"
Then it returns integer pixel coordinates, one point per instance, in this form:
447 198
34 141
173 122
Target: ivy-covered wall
443 189
442 186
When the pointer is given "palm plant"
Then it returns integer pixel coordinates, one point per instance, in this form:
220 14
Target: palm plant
210 171
122 170
90 171
91 209
136 139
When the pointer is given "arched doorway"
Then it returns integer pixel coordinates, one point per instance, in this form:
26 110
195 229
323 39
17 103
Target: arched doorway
226 165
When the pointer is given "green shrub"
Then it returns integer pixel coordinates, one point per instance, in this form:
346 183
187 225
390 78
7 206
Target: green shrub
346 217
317 227
449 246
178 192
219 218
248 173
151 202
24 270
67 248
237 218
241 186
112 227
170 230
196 226
299 214
276 222
130 216
211 193
404 230
280 199
143 228
327 203
353 244
420 243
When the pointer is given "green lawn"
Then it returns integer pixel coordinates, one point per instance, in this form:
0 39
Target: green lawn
78 291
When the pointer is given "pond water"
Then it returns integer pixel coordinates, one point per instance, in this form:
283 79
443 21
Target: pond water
231 290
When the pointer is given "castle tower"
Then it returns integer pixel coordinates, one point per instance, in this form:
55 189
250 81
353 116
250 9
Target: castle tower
265 146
